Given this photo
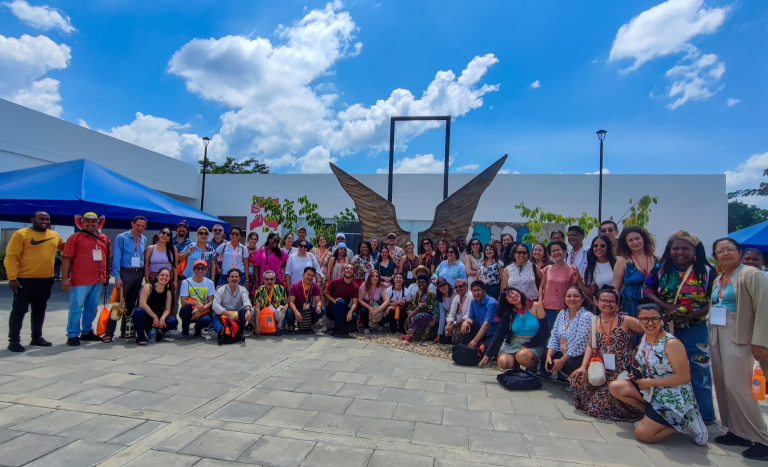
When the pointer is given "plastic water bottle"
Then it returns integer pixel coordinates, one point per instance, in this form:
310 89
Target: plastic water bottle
758 385
153 336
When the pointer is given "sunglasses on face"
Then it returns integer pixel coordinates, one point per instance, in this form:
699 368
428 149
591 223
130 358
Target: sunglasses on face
463 286
218 230
234 235
599 245
524 253
302 246
167 234
451 252
202 233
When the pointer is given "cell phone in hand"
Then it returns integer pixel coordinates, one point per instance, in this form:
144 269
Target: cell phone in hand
635 373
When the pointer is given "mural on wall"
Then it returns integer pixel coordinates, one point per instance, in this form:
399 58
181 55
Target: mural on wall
490 231
257 218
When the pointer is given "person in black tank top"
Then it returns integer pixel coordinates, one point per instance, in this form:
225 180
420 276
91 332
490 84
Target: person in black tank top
155 308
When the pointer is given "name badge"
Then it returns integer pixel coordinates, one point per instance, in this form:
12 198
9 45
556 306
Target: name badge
410 275
717 315
135 262
609 360
96 252
563 345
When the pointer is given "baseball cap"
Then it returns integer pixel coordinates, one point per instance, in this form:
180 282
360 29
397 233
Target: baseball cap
391 235
576 228
183 223
341 235
341 245
199 262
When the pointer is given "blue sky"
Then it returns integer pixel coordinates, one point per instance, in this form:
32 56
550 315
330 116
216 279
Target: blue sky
298 84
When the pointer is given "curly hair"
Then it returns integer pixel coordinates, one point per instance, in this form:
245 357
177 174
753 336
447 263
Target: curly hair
649 245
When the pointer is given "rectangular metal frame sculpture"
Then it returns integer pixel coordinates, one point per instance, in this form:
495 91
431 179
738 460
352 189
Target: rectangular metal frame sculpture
447 120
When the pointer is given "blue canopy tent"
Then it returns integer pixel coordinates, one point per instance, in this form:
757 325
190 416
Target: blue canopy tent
753 237
79 186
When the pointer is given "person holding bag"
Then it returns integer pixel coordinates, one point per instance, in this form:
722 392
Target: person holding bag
570 333
611 342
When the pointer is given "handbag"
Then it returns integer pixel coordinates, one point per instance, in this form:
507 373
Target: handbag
596 370
519 380
118 309
101 327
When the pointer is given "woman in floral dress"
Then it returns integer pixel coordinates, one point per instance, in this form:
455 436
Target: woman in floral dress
422 322
490 271
664 380
597 401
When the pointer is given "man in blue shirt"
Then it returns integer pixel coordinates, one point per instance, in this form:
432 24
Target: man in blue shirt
128 269
481 325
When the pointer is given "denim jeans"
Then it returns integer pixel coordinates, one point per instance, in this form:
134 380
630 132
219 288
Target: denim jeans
186 319
142 322
83 306
338 313
696 341
217 326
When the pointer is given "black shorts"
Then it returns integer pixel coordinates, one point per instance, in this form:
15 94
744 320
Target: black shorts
651 413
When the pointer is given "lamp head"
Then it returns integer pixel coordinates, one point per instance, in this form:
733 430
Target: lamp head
601 135
206 140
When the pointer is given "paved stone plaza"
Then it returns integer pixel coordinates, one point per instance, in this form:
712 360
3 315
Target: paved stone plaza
310 401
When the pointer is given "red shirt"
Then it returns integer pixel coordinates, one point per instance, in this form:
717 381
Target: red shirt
297 290
83 270
338 288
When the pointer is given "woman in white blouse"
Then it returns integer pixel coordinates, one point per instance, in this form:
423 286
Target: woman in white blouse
294 269
522 274
570 335
599 271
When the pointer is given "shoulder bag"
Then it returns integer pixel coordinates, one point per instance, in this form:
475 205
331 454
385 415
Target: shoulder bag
118 309
596 370
677 295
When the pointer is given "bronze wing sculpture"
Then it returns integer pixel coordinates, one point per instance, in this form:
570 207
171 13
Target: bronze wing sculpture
377 215
456 211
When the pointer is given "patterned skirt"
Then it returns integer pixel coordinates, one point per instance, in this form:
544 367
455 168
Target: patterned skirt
598 401
516 344
424 327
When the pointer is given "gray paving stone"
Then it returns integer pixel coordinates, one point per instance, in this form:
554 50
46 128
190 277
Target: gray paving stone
277 452
455 377
466 389
178 441
31 446
327 388
165 459
458 401
321 403
287 399
44 372
566 450
53 423
668 458
616 455
407 396
396 459
441 435
536 407
499 442
112 379
11 368
17 414
240 412
202 390
102 428
360 391
571 429
287 418
368 408
341 366
221 444
79 376
388 381
97 395
25 385
337 424
419 413
347 377
489 404
326 455
79 453
148 383
306 374
516 423
131 436
7 435
283 384
425 385
179 404
59 390
392 430
375 370
139 399
252 396
468 418
410 373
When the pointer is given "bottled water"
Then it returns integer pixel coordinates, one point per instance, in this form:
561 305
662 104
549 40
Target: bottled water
153 336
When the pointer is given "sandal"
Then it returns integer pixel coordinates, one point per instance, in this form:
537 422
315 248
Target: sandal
106 339
141 342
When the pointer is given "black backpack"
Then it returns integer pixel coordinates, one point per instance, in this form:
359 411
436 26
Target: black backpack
519 380
465 356
231 332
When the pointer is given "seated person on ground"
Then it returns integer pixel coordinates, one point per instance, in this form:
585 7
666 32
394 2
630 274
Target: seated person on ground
197 299
399 298
570 334
304 301
522 334
272 295
342 299
231 300
444 297
480 326
155 308
373 300
422 321
460 304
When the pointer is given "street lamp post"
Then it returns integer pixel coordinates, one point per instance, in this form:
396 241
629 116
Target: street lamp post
207 140
601 136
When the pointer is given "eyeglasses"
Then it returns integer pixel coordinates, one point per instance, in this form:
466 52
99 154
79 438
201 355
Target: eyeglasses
607 302
167 234
608 230
730 249
199 268
524 253
425 244
302 246
391 238
462 286
234 234
599 245
555 251
269 279
202 233
218 230
654 320
450 252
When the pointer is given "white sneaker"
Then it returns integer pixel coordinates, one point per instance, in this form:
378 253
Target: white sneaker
325 328
366 331
698 429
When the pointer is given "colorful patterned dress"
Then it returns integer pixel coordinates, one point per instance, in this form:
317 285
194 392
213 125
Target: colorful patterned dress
598 401
425 323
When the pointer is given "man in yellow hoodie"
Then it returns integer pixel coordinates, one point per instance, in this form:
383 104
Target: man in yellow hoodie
29 261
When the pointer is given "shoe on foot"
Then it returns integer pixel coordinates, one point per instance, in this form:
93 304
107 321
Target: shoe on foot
366 331
184 337
15 347
758 451
381 328
730 439
73 341
325 328
699 431
90 337
40 342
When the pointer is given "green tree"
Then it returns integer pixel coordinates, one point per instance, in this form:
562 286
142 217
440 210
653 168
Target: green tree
761 190
230 166
639 212
742 215
285 215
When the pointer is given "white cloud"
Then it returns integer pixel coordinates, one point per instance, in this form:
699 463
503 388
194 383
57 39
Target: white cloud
597 172
748 174
536 84
508 171
731 102
467 168
419 164
83 123
593 62
23 62
664 29
40 17
668 29
316 161
160 135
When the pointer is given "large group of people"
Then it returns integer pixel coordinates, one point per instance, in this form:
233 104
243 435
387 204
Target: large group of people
638 337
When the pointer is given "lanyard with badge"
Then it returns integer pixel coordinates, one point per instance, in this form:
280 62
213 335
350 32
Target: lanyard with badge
135 259
96 253
307 295
563 341
609 359
718 313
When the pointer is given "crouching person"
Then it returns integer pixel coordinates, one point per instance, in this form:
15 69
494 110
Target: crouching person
155 308
342 295
301 296
231 301
197 300
479 327
270 295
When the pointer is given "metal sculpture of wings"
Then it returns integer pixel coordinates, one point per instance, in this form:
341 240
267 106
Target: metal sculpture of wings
456 212
377 215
